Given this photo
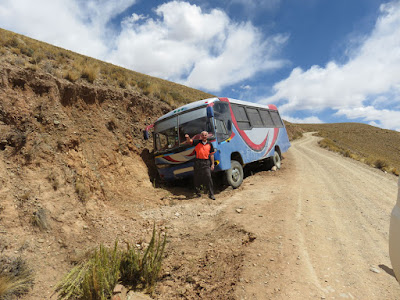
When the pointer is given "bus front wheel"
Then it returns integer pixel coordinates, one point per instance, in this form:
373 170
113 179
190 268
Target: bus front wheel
234 175
276 160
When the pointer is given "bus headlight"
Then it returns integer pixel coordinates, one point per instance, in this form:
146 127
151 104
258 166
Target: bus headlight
163 166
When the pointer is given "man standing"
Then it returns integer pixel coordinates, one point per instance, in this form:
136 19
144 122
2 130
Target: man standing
202 168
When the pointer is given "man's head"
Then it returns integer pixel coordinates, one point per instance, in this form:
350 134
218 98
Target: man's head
204 135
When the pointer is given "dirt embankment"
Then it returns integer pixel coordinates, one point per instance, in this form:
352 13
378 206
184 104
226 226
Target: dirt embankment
69 153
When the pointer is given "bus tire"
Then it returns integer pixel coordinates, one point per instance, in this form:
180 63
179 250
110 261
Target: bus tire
234 175
276 159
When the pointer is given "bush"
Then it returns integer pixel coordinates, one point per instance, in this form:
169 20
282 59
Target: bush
96 278
81 190
140 270
71 75
16 278
89 73
329 144
381 164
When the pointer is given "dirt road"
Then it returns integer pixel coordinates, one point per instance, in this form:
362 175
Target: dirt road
316 229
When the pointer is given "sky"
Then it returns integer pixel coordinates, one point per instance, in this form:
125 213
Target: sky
319 61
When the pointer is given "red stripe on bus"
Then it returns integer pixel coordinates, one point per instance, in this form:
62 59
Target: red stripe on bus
276 131
243 134
170 159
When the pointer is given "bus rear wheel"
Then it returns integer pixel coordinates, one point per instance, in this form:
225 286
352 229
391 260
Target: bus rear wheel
234 175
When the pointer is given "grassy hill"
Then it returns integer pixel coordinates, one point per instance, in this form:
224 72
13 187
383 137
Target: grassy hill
28 53
377 147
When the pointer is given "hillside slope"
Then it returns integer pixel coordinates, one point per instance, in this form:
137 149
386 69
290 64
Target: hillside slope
69 154
363 142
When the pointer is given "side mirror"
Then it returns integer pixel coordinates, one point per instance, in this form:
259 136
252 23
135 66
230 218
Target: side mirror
210 112
146 131
145 135
229 125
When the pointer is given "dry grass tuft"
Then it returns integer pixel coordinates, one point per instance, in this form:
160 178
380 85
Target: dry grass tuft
90 73
16 278
97 277
81 190
39 219
374 146
36 55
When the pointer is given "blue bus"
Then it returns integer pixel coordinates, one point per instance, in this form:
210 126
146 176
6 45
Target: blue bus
241 132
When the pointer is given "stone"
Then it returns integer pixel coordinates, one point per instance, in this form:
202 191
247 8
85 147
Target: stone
119 292
375 270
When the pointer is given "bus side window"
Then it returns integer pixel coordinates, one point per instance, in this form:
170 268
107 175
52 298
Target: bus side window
276 119
222 118
222 130
267 119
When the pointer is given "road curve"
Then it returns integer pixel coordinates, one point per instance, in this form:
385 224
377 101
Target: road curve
322 228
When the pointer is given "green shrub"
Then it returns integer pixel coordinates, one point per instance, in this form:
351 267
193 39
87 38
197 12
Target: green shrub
140 269
94 279
97 277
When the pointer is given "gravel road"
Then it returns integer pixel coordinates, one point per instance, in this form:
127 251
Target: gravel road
315 229
322 228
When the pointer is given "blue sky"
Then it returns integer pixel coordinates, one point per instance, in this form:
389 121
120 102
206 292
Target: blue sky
319 61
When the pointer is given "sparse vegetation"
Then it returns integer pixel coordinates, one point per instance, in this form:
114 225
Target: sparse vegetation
74 67
140 269
89 73
16 278
376 147
294 132
53 180
81 190
97 277
39 219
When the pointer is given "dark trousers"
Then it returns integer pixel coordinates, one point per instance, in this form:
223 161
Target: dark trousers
202 175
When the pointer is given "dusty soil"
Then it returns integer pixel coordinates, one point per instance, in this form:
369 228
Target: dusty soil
316 229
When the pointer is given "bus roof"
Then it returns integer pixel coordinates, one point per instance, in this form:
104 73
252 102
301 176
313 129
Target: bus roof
199 103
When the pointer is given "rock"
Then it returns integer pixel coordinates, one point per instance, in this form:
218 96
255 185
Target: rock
119 292
274 168
137 296
375 270
239 210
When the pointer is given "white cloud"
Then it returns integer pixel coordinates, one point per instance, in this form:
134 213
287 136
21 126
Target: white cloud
307 120
182 43
386 118
372 71
200 49
75 25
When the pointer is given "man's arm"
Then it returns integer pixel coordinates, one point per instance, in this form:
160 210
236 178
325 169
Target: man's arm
188 139
212 161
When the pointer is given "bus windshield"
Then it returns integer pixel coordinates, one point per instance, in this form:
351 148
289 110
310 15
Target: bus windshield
170 133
